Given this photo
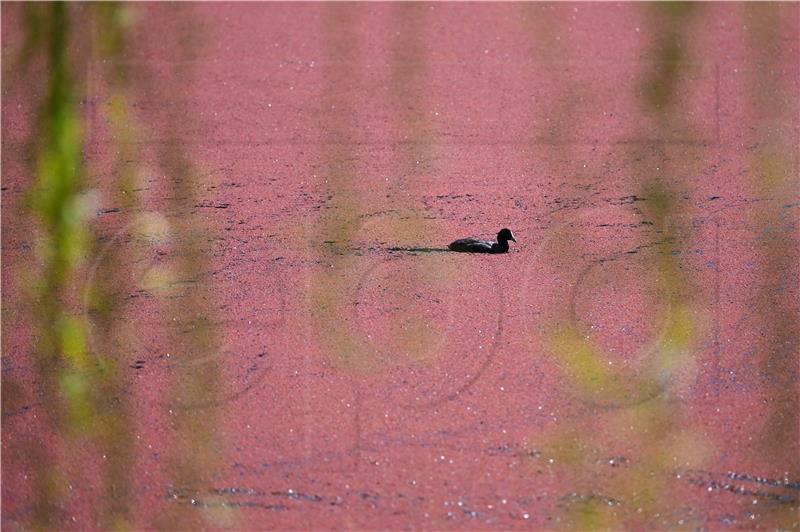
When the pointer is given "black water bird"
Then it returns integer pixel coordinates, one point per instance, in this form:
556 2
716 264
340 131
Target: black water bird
475 245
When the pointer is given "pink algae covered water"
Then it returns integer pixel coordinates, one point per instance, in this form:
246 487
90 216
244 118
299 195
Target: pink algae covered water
631 363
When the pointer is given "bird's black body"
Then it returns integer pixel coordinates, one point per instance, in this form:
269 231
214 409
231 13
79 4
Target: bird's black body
476 245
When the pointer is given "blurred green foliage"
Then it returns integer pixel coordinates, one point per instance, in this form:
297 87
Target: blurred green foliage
638 412
352 215
641 422
79 284
772 165
81 387
668 53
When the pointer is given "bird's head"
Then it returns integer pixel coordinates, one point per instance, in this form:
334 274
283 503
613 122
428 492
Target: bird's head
505 235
